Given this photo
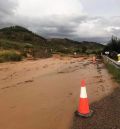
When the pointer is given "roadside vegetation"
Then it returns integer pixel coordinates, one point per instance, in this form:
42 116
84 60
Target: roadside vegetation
114 71
9 55
113 47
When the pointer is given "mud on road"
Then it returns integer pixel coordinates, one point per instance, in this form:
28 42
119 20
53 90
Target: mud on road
44 94
106 110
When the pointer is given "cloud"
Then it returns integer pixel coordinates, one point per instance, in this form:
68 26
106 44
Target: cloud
114 30
39 8
7 10
7 7
101 7
71 21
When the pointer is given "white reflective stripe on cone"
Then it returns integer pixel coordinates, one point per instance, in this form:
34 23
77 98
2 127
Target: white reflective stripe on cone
83 93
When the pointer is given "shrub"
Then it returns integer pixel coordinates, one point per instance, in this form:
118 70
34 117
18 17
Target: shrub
113 45
113 70
9 55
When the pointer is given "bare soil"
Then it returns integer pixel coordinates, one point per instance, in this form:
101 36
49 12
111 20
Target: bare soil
43 94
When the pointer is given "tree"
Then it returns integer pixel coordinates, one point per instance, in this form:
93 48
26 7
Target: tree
113 45
84 48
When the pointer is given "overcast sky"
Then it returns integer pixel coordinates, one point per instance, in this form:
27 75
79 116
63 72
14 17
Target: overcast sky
95 20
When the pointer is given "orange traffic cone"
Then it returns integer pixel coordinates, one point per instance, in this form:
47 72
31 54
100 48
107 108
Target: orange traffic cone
83 108
94 59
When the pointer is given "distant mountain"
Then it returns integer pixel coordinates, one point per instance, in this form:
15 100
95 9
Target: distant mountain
71 46
25 41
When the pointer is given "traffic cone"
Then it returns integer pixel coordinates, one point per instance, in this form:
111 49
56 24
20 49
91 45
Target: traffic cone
83 107
94 59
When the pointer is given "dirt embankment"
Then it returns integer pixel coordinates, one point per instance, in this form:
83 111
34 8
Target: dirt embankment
43 94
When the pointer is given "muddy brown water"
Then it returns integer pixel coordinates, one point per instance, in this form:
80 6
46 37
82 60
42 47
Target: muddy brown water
43 94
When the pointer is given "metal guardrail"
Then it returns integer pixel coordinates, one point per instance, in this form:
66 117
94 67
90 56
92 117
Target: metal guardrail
113 62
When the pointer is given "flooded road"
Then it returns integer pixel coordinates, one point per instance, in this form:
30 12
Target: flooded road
43 94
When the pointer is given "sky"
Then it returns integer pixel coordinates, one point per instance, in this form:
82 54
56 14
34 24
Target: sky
93 20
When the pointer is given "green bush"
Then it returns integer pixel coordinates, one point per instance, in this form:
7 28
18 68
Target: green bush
9 55
114 71
113 45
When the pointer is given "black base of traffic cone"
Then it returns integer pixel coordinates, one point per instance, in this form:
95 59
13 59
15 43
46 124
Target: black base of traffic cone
84 115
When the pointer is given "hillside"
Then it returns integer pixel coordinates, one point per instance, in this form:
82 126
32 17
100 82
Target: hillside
18 33
26 42
70 46
23 40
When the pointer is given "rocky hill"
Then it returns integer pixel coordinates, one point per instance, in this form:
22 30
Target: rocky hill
26 42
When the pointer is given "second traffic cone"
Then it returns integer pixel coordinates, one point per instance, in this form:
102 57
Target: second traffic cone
94 59
83 107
